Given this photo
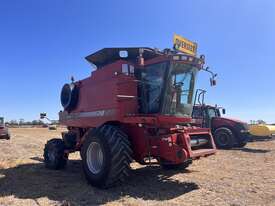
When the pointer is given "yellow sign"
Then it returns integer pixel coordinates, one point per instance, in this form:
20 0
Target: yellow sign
184 45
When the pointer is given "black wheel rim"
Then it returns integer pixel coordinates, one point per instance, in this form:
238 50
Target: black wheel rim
223 139
51 156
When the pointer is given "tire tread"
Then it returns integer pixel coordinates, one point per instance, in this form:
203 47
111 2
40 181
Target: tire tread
120 155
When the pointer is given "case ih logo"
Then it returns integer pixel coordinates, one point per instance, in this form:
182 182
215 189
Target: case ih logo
184 45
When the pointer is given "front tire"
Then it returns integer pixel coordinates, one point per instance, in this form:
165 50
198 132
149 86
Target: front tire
106 156
224 138
54 156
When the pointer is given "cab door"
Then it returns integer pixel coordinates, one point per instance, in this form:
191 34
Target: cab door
197 116
202 117
210 113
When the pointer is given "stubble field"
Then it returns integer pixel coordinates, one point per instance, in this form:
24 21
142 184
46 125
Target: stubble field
231 177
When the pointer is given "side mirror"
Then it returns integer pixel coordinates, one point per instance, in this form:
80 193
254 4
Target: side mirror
213 82
223 111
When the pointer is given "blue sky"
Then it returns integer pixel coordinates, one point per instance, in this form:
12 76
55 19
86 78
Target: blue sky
43 43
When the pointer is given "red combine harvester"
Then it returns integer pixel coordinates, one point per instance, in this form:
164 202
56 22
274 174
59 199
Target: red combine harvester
227 132
136 105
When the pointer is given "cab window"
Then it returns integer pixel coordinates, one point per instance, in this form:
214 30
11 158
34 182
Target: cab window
152 78
197 113
212 113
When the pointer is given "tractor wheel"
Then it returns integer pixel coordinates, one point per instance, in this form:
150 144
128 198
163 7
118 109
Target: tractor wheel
106 156
181 166
81 154
224 138
54 156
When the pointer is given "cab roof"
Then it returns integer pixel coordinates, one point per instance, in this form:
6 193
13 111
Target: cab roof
207 105
108 55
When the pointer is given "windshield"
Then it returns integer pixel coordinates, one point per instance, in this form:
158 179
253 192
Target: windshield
169 92
180 90
1 120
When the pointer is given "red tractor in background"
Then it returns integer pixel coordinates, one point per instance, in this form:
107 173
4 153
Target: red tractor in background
4 132
137 104
227 132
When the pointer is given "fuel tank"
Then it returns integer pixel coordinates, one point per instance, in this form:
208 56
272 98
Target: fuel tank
262 130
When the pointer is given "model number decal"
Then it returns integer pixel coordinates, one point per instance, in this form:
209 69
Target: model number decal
99 113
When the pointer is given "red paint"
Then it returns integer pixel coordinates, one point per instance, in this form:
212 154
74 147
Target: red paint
4 132
151 135
217 122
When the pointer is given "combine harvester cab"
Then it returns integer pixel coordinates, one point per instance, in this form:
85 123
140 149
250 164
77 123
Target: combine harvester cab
136 105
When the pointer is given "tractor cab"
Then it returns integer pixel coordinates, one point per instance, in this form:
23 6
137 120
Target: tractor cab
1 121
204 114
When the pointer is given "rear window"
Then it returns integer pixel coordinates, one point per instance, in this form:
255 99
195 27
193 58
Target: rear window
197 113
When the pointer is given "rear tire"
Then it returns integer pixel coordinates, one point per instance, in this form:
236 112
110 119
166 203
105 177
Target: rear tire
106 156
224 138
54 156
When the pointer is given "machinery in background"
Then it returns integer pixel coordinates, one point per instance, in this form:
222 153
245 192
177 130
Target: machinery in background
4 131
227 132
51 126
262 131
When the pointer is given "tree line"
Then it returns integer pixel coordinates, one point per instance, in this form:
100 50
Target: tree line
33 122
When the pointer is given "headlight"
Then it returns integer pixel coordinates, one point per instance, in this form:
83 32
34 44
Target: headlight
242 127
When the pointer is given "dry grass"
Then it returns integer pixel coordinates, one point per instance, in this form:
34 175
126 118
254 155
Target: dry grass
237 177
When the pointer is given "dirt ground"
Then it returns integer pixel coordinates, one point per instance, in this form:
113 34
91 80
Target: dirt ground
235 177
